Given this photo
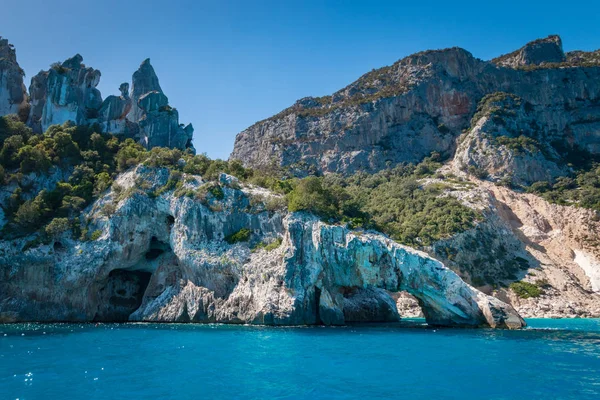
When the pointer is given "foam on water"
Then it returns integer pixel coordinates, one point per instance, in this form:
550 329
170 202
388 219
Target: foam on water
550 359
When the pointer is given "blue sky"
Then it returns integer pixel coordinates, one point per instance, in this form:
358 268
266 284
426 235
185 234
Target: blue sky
227 64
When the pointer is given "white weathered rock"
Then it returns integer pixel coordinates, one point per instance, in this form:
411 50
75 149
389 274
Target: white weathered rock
524 237
320 273
66 92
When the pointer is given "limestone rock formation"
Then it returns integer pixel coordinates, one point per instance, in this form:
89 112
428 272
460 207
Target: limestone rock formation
66 92
113 112
164 259
538 52
421 104
144 81
158 122
13 95
160 126
508 144
526 238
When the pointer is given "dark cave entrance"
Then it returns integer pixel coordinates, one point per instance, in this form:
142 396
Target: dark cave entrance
122 294
124 288
156 249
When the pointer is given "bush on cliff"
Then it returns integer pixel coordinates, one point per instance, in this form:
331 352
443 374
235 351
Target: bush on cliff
526 290
582 188
243 235
93 160
392 201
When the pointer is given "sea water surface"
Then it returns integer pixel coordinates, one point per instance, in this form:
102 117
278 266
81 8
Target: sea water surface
552 359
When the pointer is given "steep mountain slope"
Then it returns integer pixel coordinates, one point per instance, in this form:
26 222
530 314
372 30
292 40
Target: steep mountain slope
506 198
421 104
552 249
527 121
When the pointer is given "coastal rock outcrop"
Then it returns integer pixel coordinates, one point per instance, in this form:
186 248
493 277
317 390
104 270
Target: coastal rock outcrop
421 104
13 95
165 259
525 239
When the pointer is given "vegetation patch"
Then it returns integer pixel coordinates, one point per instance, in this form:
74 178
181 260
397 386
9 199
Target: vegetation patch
243 235
526 290
268 246
581 189
392 201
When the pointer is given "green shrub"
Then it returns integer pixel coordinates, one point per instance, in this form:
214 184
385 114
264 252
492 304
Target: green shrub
102 182
174 182
57 227
310 195
243 235
477 172
268 246
519 144
526 290
96 235
583 189
217 192
274 204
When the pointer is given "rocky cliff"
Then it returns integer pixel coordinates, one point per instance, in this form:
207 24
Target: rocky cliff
67 92
162 246
524 238
170 258
421 104
13 95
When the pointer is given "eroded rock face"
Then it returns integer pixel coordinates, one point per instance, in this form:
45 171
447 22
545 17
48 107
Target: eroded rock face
159 126
421 104
526 238
158 122
320 273
507 143
538 52
66 92
113 114
13 95
144 81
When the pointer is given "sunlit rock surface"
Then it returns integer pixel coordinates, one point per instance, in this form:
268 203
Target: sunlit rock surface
67 92
422 103
164 259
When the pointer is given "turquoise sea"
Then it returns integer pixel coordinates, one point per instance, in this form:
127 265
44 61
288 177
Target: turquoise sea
552 359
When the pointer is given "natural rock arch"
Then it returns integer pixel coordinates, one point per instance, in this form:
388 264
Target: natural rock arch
320 274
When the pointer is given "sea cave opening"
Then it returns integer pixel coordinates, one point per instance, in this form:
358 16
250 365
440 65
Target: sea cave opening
122 294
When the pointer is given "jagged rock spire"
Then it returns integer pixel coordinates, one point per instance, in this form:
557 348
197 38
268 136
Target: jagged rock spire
13 95
143 81
66 92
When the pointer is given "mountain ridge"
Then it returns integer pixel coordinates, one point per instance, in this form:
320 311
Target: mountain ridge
403 112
